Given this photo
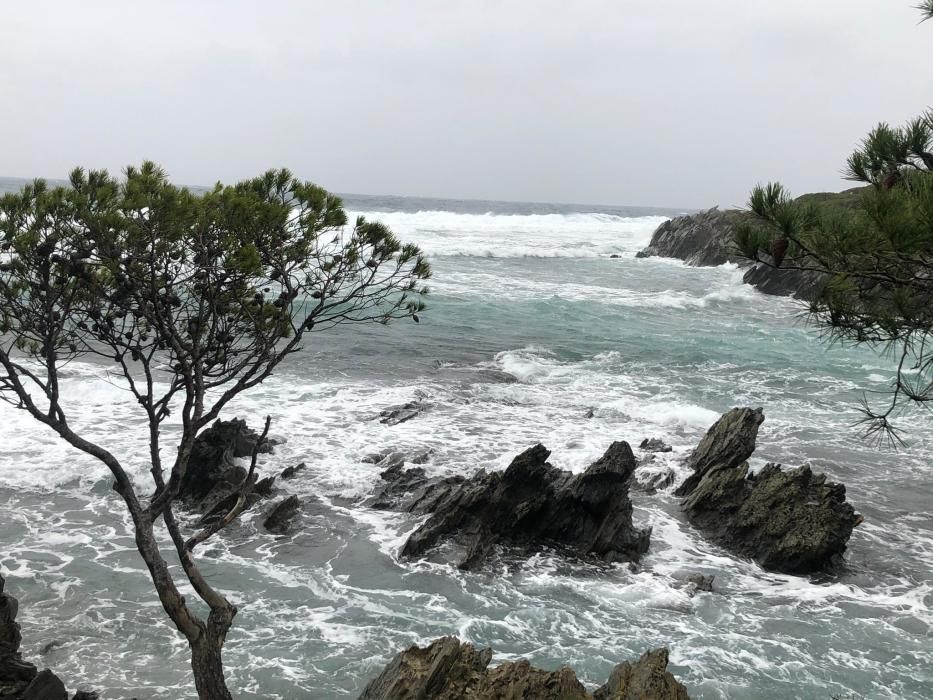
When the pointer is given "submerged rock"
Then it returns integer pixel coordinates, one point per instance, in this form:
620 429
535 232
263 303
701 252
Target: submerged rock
795 522
531 504
450 670
729 442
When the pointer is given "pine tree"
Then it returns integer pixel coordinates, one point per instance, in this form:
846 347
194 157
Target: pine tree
191 300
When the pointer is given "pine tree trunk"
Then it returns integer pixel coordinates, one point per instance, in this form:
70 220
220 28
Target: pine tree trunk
208 669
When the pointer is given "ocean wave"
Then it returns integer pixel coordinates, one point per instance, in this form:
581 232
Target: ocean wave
441 233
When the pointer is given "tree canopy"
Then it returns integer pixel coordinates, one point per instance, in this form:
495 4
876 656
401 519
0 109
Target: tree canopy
877 257
190 299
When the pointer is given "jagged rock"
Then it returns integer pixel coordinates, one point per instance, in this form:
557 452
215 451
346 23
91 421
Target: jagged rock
655 445
729 442
646 679
397 484
86 695
400 414
280 516
449 670
211 462
795 522
45 686
291 472
531 504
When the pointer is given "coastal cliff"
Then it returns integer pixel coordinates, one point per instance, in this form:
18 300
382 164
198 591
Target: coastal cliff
706 238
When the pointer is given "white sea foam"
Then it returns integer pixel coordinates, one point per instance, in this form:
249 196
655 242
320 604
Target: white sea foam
517 236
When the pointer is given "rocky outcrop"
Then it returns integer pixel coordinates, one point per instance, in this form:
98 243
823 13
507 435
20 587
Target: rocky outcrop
702 239
280 517
529 505
707 239
450 670
213 480
19 679
729 442
211 462
794 522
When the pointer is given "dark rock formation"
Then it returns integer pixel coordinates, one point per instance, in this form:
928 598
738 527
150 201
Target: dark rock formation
292 472
401 414
45 686
449 670
793 522
655 445
729 442
707 238
530 504
20 680
646 679
211 462
279 518
213 482
701 239
803 284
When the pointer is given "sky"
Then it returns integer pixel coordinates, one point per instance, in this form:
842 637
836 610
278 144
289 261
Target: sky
679 103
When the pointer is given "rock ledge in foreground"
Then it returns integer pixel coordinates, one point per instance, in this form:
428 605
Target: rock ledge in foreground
450 670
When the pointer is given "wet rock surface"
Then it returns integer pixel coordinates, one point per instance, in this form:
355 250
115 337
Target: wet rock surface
530 505
729 442
794 521
213 481
706 238
450 670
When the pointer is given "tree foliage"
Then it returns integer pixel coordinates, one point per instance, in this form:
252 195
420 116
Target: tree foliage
190 299
877 257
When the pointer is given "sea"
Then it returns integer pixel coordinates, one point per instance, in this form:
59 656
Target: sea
542 326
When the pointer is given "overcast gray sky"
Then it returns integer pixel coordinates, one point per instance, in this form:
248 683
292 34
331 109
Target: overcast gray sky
657 102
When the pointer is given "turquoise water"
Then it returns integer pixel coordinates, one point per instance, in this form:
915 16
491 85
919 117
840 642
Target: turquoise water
652 347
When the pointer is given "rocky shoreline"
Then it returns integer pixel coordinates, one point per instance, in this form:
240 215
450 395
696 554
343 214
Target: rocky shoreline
705 239
793 522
